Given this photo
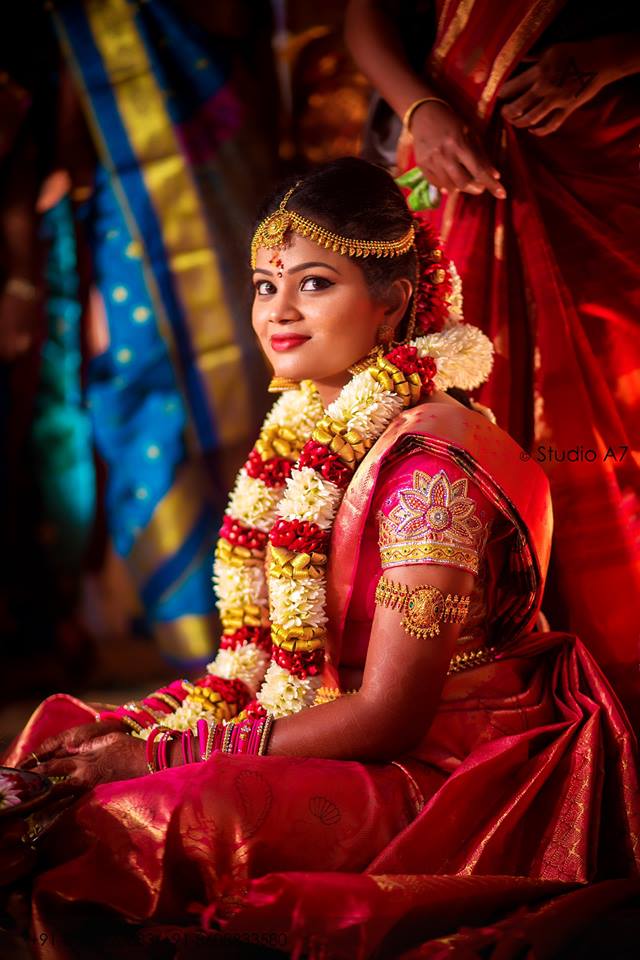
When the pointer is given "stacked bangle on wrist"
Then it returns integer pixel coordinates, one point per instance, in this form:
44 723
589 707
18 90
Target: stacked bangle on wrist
249 735
156 753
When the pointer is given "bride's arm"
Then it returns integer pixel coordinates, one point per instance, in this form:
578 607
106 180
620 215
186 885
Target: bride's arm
401 686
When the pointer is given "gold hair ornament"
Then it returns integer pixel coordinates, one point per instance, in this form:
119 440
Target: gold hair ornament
271 233
424 608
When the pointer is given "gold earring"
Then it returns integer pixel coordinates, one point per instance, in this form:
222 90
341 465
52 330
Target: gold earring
385 335
280 384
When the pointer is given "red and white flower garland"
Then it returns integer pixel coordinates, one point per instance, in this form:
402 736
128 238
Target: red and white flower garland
284 605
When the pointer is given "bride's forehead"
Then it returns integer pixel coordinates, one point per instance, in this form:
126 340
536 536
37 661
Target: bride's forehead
298 249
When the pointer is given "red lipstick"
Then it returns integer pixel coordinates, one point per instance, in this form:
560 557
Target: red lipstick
287 341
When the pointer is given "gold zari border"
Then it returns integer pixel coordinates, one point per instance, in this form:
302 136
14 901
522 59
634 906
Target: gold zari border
399 553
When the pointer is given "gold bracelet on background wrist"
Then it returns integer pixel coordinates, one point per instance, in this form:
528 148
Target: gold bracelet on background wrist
411 109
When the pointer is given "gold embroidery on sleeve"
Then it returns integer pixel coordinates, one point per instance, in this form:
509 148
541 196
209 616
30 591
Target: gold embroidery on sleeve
434 521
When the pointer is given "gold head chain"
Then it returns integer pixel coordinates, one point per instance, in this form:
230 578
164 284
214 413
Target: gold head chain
271 233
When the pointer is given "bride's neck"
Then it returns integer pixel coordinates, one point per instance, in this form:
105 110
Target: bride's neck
330 388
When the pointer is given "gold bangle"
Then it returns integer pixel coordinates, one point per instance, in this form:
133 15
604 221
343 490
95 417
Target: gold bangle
132 724
226 740
266 733
209 744
411 109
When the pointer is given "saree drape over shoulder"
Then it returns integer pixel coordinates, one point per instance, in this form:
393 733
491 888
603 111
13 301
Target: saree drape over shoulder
524 787
551 275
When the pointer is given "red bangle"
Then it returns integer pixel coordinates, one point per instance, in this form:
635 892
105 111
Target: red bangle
162 750
150 751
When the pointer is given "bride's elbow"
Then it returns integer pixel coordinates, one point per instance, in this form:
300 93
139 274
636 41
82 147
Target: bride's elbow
394 731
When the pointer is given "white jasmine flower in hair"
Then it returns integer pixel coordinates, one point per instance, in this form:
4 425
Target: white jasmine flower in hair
455 297
309 497
463 354
282 694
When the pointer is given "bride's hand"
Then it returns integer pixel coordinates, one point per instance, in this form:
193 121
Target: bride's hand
68 740
103 759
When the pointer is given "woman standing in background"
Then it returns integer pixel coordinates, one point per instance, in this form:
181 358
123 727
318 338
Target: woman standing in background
530 124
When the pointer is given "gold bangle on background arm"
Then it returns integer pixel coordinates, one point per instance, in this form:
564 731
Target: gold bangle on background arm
411 109
423 608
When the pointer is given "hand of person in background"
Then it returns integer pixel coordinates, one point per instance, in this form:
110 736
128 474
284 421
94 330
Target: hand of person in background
566 76
449 154
72 739
101 759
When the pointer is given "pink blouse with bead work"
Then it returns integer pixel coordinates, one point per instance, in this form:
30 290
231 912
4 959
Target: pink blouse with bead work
426 511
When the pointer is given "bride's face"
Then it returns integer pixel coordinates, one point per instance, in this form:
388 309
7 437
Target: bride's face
313 313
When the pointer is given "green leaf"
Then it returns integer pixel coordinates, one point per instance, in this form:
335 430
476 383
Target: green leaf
411 178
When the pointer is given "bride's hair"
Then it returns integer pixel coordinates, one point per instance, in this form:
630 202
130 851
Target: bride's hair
354 198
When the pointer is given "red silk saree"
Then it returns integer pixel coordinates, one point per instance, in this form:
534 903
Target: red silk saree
523 790
552 275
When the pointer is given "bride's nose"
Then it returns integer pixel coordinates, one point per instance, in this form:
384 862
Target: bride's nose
284 312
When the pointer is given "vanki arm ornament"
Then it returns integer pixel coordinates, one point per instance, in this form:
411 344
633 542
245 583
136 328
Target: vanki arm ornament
424 608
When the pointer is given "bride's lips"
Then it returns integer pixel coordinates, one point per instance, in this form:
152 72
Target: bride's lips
287 342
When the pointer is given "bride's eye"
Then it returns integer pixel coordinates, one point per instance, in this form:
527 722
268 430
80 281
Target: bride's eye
264 288
315 283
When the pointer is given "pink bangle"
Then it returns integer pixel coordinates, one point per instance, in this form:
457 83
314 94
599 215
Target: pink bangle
187 746
203 734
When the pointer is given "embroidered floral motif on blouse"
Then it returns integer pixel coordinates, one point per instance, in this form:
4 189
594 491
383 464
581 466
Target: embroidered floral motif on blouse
434 521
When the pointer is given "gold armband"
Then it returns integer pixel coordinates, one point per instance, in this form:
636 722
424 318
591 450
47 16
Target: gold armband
424 608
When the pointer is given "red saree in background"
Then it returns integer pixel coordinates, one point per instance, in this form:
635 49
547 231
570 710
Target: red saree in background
552 274
523 789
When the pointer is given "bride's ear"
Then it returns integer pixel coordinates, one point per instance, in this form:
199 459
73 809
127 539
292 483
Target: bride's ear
397 301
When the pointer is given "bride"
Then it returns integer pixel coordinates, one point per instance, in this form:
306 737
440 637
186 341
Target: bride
383 700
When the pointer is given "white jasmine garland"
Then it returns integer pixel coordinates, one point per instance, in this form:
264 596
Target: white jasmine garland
246 662
238 586
464 356
364 405
253 503
297 603
282 694
309 497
